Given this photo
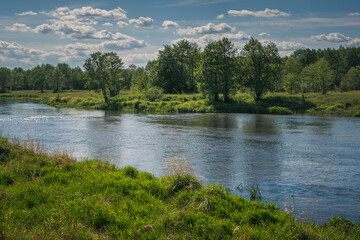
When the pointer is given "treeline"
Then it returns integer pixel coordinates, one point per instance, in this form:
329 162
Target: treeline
217 70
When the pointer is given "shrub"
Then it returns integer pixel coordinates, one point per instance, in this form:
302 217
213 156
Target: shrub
279 110
153 93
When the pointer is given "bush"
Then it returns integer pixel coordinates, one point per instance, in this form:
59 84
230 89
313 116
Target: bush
279 110
153 93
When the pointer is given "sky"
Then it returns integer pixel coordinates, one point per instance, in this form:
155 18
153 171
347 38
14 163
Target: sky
61 31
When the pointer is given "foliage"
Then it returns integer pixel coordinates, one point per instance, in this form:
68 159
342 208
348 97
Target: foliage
104 73
5 75
351 80
217 70
279 110
260 67
174 69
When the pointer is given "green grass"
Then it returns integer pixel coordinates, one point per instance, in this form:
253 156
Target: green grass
333 103
56 197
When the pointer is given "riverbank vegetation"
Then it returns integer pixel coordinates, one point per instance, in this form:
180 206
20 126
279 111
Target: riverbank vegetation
45 196
184 78
333 103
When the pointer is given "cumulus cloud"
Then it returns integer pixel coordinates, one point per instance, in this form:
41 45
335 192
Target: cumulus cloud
205 39
122 24
221 16
210 28
264 34
75 30
355 14
31 13
142 57
266 13
169 24
145 22
107 24
18 27
289 45
87 13
13 52
337 38
84 49
332 37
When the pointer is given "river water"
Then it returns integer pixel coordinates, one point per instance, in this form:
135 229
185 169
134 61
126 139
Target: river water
299 160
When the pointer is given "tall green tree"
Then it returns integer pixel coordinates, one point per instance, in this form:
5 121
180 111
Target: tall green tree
351 80
217 71
291 75
38 78
324 75
104 73
18 75
57 79
5 78
174 69
261 67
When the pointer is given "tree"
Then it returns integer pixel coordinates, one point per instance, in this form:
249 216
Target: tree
104 73
217 72
38 77
291 75
18 75
324 75
5 77
351 80
174 69
57 78
260 67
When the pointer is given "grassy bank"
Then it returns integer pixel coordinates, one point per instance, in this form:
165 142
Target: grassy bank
334 103
56 197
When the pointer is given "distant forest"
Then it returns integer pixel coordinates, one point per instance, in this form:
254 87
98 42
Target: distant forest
217 69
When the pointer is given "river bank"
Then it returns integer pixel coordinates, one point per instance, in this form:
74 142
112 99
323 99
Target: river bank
51 196
345 104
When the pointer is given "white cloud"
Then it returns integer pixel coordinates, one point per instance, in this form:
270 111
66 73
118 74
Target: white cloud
264 34
337 38
284 45
221 16
210 28
203 40
13 52
119 45
78 30
84 49
289 45
122 24
169 24
142 57
87 13
145 22
107 24
31 13
355 14
18 27
332 37
266 13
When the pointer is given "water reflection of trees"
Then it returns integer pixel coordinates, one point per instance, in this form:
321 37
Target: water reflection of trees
262 145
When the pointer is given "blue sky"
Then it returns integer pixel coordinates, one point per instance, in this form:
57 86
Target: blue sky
39 31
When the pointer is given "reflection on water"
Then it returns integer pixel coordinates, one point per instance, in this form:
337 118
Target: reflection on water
312 159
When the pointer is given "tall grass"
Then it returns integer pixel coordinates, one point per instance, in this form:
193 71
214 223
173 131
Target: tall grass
50 196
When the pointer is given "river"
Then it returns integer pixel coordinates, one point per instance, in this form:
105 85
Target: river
299 160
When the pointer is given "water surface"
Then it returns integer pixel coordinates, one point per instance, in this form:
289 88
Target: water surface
299 160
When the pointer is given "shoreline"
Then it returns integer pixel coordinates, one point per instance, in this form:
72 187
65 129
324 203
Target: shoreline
345 104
